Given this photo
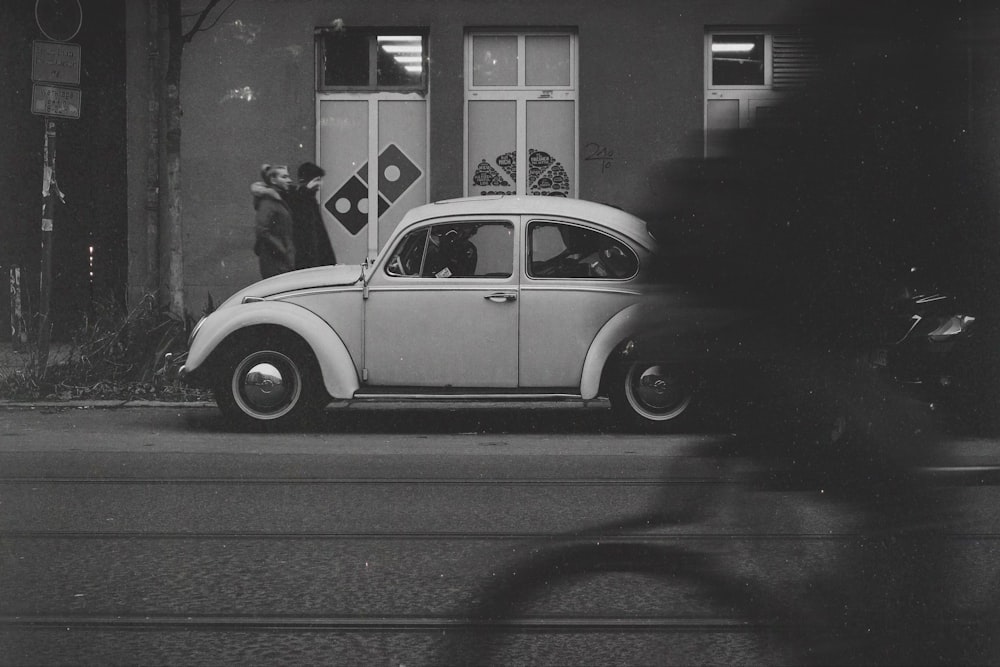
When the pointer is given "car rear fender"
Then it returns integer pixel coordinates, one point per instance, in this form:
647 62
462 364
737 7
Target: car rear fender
624 324
340 375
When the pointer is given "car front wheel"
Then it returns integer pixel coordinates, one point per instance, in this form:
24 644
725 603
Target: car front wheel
655 396
273 384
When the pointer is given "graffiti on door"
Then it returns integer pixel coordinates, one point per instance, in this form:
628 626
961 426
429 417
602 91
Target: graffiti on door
546 176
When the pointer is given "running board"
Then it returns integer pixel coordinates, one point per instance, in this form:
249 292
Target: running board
382 396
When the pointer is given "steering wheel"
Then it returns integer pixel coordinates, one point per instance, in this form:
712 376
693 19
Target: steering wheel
613 259
612 253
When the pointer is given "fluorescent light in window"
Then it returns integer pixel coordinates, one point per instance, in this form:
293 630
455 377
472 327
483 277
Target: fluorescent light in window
732 47
414 68
398 38
400 48
407 59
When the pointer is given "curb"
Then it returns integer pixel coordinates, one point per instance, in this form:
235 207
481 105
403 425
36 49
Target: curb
102 404
360 404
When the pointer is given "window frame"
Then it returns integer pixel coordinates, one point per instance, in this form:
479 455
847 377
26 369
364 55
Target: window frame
521 94
427 230
766 33
372 33
521 35
749 97
528 249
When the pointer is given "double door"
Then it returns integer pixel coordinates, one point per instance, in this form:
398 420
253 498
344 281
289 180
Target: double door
373 147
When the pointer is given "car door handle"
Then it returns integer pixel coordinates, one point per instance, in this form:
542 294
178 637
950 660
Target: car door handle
501 297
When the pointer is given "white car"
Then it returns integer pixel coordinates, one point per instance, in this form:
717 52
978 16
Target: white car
481 298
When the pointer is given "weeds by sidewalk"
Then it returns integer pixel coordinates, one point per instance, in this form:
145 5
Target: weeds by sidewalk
116 354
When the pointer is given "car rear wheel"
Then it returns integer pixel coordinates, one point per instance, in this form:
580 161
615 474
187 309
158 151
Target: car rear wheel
652 395
269 385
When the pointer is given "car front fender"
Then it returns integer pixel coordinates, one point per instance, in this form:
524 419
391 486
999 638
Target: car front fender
340 376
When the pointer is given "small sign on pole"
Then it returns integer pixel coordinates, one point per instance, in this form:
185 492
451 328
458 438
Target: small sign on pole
56 101
55 62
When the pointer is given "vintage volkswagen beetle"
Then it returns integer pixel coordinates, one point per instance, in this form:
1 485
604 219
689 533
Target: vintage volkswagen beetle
483 297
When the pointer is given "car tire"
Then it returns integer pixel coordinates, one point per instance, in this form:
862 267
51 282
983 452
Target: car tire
272 384
652 396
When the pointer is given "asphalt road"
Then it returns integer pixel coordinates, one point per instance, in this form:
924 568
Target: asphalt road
485 534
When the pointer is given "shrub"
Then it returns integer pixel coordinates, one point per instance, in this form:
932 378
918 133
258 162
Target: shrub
116 353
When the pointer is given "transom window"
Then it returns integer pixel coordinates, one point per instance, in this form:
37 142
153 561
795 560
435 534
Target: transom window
559 250
521 61
738 60
455 250
372 59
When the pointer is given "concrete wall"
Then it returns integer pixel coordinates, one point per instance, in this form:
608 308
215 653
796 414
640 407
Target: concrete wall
640 97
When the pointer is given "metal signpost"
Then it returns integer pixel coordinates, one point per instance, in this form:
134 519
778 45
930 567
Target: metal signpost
55 71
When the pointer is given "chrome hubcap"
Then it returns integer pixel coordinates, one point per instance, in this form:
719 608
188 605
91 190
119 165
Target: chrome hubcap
657 389
658 392
266 385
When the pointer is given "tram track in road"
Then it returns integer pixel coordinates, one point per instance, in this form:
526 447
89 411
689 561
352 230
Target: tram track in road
969 475
345 481
171 547
223 623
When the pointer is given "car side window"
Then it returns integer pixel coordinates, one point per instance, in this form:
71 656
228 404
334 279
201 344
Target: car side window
456 250
560 250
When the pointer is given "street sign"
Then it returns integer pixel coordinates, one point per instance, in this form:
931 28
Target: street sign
57 101
59 20
55 62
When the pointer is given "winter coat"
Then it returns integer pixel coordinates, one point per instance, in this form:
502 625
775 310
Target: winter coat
274 243
312 243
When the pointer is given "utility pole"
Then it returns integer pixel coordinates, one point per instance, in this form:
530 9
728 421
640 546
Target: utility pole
55 71
50 190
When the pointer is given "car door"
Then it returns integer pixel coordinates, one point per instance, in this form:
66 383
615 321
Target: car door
576 278
442 308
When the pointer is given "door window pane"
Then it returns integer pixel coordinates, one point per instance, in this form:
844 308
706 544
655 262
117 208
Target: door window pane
455 250
551 147
494 60
738 60
546 60
567 251
492 147
470 250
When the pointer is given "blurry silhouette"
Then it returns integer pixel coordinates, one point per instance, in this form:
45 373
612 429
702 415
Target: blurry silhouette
875 166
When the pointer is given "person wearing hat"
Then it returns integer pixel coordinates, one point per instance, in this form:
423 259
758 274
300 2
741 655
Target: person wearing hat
273 244
312 242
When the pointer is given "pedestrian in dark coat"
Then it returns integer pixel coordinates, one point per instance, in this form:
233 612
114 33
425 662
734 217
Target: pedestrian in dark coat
312 243
274 243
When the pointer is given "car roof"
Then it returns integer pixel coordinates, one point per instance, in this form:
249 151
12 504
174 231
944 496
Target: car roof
608 216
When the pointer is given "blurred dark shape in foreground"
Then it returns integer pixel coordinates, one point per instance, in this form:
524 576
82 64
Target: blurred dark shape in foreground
880 164
876 166
814 224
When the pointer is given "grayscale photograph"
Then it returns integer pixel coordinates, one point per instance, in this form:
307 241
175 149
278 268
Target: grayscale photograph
467 332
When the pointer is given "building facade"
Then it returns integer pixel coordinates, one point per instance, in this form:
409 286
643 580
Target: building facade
405 103
408 102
